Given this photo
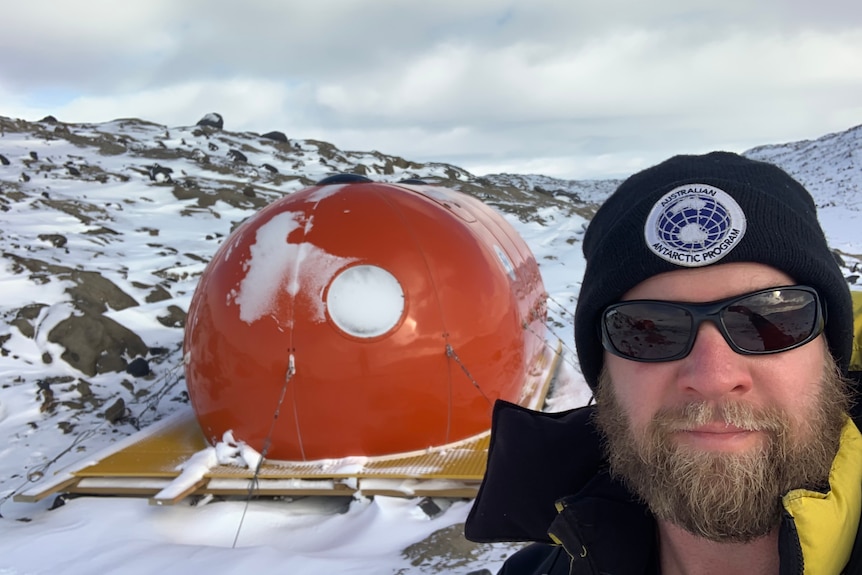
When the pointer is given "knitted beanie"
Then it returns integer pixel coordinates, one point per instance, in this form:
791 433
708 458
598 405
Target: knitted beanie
693 211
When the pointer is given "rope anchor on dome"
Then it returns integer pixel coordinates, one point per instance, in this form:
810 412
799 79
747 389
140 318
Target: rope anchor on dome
450 352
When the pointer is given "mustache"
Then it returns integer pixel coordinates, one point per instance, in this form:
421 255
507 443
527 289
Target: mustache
736 414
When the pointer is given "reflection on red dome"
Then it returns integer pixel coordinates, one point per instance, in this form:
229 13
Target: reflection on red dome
363 319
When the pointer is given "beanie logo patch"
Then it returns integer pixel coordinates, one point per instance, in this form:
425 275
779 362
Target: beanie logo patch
694 225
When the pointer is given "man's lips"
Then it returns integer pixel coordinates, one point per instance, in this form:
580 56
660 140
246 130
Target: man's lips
717 436
717 427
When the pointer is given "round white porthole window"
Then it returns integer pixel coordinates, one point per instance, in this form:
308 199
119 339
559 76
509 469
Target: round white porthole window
365 301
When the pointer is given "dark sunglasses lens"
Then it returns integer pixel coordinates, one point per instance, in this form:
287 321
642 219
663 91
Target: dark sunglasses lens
648 330
771 321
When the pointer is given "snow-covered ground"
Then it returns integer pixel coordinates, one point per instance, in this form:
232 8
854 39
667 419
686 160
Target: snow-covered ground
86 198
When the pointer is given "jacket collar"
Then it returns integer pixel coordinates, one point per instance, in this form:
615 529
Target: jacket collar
826 523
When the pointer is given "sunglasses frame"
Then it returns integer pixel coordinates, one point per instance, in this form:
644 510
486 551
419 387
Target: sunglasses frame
711 312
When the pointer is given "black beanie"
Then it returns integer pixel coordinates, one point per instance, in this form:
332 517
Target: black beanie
742 210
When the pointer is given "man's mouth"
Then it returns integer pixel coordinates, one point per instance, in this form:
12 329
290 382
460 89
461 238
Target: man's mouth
718 437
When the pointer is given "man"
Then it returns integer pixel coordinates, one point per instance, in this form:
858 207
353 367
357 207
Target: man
715 328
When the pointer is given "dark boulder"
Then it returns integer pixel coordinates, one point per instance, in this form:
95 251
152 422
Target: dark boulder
276 135
343 179
138 367
57 240
160 174
212 120
117 411
237 156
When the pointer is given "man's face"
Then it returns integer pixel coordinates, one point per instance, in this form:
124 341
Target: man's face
712 441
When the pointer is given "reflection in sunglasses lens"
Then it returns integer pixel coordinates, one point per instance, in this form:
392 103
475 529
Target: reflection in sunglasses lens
763 322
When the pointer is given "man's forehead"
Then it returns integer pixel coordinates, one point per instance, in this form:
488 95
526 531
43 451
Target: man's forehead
709 283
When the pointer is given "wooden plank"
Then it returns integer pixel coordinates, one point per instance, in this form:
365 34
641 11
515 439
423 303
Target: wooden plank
169 496
538 381
48 489
125 486
453 493
279 487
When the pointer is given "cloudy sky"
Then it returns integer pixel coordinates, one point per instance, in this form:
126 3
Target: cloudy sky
567 88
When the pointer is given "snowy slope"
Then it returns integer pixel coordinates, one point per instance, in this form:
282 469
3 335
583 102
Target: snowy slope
831 169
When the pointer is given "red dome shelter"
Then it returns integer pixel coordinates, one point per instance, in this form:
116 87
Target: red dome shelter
362 319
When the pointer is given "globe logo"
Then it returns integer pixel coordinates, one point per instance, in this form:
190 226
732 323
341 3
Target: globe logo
694 225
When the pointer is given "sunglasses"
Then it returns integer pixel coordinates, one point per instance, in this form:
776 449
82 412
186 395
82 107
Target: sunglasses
762 322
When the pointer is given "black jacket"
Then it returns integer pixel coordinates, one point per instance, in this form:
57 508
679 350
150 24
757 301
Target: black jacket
547 482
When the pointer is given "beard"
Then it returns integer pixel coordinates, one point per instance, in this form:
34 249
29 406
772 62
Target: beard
724 496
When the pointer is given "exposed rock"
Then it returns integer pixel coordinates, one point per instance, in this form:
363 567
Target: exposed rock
95 344
95 293
276 135
56 240
176 317
48 120
270 168
116 411
139 367
102 231
448 551
157 293
343 179
25 317
212 120
207 198
4 160
86 212
3 351
48 403
161 174
237 156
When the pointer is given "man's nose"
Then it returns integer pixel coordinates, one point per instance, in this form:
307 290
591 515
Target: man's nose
713 370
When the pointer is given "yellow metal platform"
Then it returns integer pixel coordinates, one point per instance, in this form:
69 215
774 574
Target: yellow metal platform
159 462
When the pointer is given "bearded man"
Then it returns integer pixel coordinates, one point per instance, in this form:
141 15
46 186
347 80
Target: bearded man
715 329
